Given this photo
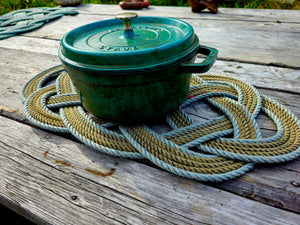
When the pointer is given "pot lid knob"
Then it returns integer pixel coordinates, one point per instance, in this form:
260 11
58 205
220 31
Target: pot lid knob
127 16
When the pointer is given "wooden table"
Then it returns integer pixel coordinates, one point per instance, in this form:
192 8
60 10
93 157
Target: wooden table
44 176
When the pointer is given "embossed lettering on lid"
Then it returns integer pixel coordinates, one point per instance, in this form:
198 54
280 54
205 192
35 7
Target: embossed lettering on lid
141 42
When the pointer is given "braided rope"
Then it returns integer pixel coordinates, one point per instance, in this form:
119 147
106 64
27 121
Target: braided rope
24 20
201 151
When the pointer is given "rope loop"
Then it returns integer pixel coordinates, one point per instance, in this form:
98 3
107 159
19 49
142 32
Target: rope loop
218 149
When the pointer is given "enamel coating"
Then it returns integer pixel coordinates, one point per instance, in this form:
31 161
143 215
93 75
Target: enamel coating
133 75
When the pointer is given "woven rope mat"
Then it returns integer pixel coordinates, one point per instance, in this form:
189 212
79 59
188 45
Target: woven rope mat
24 20
202 151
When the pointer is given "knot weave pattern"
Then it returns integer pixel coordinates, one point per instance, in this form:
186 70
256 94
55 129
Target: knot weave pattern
204 151
24 20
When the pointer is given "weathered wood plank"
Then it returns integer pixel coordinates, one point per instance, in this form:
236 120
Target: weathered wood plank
269 184
258 42
46 178
14 75
30 44
255 42
185 12
17 67
276 185
24 56
271 77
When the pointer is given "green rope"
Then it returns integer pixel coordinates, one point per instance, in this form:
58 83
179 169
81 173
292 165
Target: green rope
200 151
25 20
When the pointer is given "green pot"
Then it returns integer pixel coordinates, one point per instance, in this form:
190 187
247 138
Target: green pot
132 73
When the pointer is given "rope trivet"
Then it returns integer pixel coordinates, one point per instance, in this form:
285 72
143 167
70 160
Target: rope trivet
201 151
24 20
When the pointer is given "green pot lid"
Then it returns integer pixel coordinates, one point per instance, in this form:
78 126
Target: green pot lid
132 44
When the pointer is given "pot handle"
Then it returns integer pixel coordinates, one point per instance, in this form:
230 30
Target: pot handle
205 65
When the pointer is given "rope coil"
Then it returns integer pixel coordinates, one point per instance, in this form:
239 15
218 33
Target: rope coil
201 151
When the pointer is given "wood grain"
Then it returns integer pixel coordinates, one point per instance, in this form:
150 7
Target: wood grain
14 108
44 190
54 180
259 41
18 66
260 15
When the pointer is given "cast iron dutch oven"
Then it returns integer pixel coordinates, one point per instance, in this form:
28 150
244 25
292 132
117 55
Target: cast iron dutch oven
133 70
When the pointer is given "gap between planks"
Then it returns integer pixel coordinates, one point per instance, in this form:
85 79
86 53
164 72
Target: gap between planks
268 43
263 184
125 196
